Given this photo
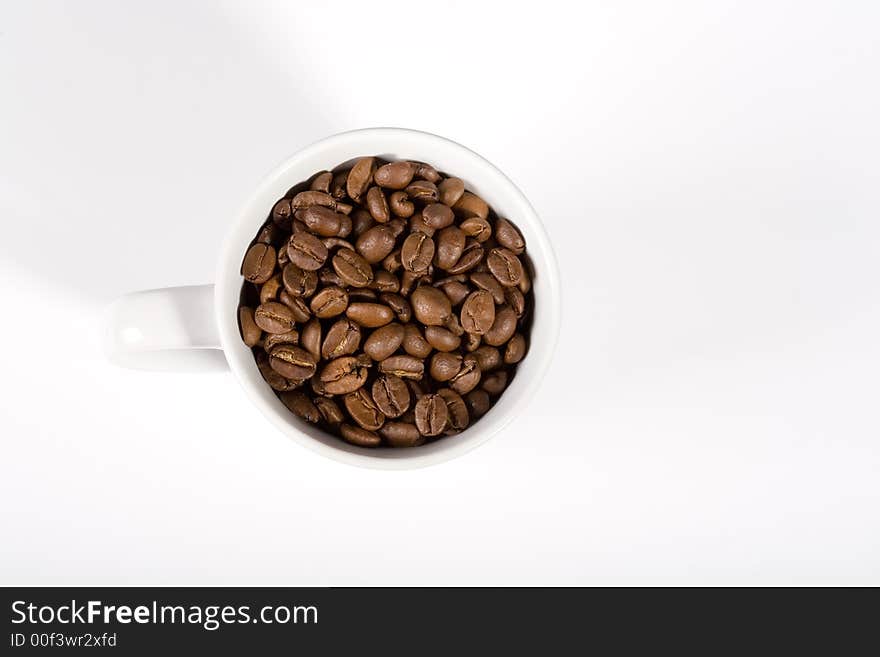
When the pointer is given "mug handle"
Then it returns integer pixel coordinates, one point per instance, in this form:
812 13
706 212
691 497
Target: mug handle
169 330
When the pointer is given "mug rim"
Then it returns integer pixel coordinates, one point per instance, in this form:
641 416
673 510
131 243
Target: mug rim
367 141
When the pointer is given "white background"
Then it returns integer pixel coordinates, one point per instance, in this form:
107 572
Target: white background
709 175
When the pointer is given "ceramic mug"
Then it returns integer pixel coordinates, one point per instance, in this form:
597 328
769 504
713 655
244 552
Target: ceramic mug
195 327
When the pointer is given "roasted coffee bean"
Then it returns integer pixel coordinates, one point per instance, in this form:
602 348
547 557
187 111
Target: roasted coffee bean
401 434
406 367
391 395
301 404
488 358
384 282
274 339
274 317
508 236
307 199
292 362
321 182
485 281
494 383
417 252
343 375
298 307
515 349
370 315
358 436
329 410
323 221
503 328
468 376
471 205
459 417
329 302
384 341
363 410
377 204
259 263
387 248
343 338
269 290
470 258
398 304
431 415
299 282
478 312
442 339
395 175
423 191
451 190
306 251
505 266
444 366
414 342
375 243
400 205
352 268
478 402
449 246
359 177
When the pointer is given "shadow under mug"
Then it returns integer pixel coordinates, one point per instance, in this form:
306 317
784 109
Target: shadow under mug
196 327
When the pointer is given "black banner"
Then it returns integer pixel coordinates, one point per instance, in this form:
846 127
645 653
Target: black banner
135 621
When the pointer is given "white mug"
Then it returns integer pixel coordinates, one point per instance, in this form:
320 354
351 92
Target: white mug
186 327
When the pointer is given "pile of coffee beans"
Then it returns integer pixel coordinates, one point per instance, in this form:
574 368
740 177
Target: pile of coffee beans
386 303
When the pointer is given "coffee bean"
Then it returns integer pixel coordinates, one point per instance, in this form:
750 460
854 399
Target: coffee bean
378 205
444 366
359 177
302 405
406 367
370 315
391 395
375 243
292 362
471 205
451 190
358 436
442 339
495 383
274 339
505 266
329 410
352 268
274 317
250 332
401 434
515 350
430 305
343 375
363 410
431 415
478 312
459 418
343 338
299 282
259 263
384 341
306 251
323 221
503 327
400 205
390 248
478 402
468 376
